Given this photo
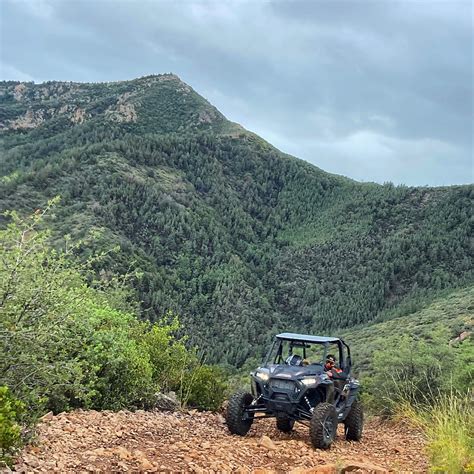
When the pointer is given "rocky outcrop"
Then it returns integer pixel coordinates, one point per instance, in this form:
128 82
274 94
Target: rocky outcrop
124 110
31 119
463 336
29 105
78 116
19 91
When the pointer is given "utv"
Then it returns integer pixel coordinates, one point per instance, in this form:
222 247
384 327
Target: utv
294 384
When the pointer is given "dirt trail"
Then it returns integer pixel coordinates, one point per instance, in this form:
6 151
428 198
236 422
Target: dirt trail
89 441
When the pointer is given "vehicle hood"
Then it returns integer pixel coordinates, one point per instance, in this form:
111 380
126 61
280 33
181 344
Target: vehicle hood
293 372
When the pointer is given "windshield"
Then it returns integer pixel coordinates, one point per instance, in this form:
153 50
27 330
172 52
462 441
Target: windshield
300 353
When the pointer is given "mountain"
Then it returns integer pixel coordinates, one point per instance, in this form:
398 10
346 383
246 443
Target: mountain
236 237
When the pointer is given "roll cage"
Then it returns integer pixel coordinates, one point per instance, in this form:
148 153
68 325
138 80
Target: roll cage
304 342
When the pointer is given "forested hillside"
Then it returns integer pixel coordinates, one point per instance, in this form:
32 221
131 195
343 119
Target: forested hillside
236 237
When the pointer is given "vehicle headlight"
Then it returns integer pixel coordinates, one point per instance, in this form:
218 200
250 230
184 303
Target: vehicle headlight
263 376
308 381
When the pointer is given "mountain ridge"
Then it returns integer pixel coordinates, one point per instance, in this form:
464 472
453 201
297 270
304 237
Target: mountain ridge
121 102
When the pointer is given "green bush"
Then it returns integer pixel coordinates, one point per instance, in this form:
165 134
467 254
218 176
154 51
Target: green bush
11 411
178 369
417 370
120 373
204 388
169 357
68 341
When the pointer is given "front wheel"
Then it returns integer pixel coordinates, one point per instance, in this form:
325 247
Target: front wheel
237 420
354 422
323 425
285 424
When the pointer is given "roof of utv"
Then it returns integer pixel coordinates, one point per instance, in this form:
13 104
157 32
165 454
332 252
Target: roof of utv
289 336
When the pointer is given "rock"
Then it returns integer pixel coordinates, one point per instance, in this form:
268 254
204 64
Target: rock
266 442
146 464
464 335
165 402
30 461
326 469
323 469
173 396
363 467
122 453
100 452
49 416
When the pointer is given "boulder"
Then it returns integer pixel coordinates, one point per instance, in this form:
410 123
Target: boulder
165 402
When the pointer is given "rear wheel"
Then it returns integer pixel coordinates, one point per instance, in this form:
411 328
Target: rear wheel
354 422
285 424
323 425
237 420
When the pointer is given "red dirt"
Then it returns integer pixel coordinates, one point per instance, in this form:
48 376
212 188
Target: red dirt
90 441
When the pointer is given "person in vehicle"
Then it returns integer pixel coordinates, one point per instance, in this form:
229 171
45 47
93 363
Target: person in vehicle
330 366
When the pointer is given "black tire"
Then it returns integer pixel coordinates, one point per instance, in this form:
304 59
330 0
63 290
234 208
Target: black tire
323 426
285 424
235 413
354 422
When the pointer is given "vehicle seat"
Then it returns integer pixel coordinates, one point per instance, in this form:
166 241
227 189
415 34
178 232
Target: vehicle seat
294 360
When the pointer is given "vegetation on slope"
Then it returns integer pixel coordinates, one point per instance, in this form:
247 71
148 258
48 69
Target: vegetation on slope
239 239
421 368
437 323
70 341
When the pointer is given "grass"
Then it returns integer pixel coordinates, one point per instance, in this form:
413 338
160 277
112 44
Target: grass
449 428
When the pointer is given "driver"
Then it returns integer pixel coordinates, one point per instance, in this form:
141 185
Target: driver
330 366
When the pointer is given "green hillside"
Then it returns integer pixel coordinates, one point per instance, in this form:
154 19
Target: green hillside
447 317
238 238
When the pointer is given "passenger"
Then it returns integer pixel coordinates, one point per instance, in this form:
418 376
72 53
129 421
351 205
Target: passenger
330 366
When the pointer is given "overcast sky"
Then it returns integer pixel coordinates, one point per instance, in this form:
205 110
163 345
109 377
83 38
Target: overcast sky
374 90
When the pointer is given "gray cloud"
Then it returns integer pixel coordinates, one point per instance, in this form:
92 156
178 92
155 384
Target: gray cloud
376 91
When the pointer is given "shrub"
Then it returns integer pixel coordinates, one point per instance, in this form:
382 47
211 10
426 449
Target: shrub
119 369
204 388
449 427
11 411
168 355
68 341
429 383
418 371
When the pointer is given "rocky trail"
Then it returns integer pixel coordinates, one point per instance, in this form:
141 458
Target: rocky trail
90 441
